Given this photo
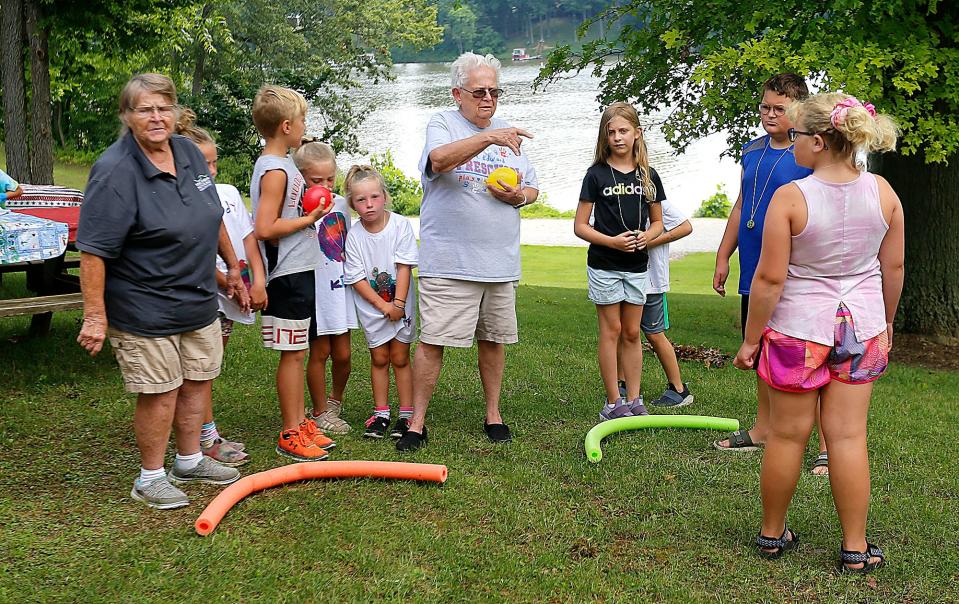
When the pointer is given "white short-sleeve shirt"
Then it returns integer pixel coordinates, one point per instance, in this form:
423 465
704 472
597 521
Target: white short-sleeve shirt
373 257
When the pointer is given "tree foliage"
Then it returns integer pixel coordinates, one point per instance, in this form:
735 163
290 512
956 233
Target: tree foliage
705 59
219 54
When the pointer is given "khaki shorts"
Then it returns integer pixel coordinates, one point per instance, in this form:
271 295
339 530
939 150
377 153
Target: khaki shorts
453 311
153 365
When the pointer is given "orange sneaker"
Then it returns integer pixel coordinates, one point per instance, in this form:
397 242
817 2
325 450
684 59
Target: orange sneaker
297 445
312 431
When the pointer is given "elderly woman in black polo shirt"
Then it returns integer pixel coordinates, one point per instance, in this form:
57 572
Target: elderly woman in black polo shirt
150 227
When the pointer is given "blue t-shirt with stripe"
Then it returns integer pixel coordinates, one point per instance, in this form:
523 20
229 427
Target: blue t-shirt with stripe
761 163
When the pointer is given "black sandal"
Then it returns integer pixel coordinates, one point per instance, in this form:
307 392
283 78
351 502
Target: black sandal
779 546
850 557
738 441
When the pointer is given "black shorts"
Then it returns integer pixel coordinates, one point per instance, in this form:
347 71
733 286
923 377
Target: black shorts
287 322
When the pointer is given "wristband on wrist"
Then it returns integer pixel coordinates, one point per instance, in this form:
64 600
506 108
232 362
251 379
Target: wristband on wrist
523 203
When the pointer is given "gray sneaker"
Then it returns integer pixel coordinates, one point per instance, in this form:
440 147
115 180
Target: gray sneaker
619 409
636 406
207 471
159 494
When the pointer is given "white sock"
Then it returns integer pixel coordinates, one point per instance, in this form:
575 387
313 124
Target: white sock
150 475
187 462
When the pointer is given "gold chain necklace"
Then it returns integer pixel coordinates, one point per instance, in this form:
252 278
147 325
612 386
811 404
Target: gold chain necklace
753 206
620 205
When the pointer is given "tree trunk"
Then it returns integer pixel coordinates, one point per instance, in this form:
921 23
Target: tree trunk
14 97
41 147
200 57
930 200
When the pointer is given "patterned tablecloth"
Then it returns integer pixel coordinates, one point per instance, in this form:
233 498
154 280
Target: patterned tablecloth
24 237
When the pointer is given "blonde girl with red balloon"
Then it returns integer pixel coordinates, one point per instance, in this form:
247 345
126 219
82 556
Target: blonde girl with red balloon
335 309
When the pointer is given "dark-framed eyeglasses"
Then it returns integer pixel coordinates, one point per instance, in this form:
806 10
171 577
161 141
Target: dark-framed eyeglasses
772 110
480 93
793 134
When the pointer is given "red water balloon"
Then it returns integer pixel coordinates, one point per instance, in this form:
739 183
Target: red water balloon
315 197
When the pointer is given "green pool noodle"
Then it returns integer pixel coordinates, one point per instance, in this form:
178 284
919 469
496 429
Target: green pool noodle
698 422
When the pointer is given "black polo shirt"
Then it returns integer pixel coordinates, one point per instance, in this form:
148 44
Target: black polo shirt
157 234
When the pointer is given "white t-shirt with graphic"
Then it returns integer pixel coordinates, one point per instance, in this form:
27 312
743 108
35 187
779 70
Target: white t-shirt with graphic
374 256
239 224
658 268
465 232
335 309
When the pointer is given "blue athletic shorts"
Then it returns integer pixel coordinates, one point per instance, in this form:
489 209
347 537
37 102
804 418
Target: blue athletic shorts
655 314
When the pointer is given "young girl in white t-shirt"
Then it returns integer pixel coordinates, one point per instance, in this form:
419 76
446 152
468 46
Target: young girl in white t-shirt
380 255
239 227
335 310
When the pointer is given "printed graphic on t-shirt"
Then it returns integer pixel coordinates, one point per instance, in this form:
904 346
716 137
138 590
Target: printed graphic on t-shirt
472 175
332 236
384 284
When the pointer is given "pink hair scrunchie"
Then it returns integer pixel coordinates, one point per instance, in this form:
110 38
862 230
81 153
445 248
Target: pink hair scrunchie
841 109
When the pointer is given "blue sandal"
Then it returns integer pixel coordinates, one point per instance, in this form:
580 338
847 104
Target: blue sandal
779 546
850 557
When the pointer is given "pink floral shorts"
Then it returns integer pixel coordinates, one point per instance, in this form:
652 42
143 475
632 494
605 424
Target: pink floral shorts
794 365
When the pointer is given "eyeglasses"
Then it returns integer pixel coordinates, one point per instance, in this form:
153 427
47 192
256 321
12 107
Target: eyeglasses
149 110
793 134
481 93
773 110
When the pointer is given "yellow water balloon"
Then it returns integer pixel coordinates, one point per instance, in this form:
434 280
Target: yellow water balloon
507 175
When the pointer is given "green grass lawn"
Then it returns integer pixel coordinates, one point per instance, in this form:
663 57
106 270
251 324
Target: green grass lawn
664 517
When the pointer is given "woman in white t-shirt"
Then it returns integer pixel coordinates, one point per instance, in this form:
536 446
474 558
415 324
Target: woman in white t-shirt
380 255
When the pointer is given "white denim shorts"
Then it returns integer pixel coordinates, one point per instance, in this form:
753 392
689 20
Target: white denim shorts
613 287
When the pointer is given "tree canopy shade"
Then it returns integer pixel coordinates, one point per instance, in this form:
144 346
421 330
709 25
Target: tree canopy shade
705 61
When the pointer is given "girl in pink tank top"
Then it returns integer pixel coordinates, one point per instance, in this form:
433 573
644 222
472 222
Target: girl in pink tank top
821 308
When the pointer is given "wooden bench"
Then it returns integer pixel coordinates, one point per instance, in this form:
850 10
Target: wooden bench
42 304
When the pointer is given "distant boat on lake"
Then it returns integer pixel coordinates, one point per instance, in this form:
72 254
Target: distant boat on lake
519 54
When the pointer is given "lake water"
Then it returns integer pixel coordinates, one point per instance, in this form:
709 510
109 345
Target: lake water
564 120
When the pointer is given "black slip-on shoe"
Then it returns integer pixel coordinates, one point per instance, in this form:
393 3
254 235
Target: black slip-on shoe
411 441
497 433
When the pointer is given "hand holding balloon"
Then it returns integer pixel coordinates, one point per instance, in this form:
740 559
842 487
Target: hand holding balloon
315 197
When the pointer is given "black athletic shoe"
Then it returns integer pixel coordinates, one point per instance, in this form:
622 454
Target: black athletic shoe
411 441
400 427
377 427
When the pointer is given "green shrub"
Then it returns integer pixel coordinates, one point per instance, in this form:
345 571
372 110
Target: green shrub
717 206
542 209
236 171
405 192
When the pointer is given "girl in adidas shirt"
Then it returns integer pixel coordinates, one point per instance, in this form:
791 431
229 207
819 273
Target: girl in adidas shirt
621 192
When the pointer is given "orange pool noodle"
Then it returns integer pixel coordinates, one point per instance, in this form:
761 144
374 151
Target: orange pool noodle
231 495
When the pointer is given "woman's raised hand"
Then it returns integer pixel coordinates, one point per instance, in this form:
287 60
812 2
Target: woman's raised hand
508 137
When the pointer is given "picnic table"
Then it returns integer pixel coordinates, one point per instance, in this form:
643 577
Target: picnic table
35 231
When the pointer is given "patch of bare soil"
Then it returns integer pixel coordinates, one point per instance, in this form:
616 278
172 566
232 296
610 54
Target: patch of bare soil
920 351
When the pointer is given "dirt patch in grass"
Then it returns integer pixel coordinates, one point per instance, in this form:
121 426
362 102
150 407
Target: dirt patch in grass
920 351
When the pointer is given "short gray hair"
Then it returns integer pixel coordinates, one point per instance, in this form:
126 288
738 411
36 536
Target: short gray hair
468 62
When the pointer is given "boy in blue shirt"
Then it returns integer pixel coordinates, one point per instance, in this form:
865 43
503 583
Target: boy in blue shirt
768 163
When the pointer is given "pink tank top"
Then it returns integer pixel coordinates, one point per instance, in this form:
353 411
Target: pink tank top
835 260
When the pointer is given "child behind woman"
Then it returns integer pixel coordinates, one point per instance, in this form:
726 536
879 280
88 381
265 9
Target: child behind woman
335 311
380 255
239 226
622 192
